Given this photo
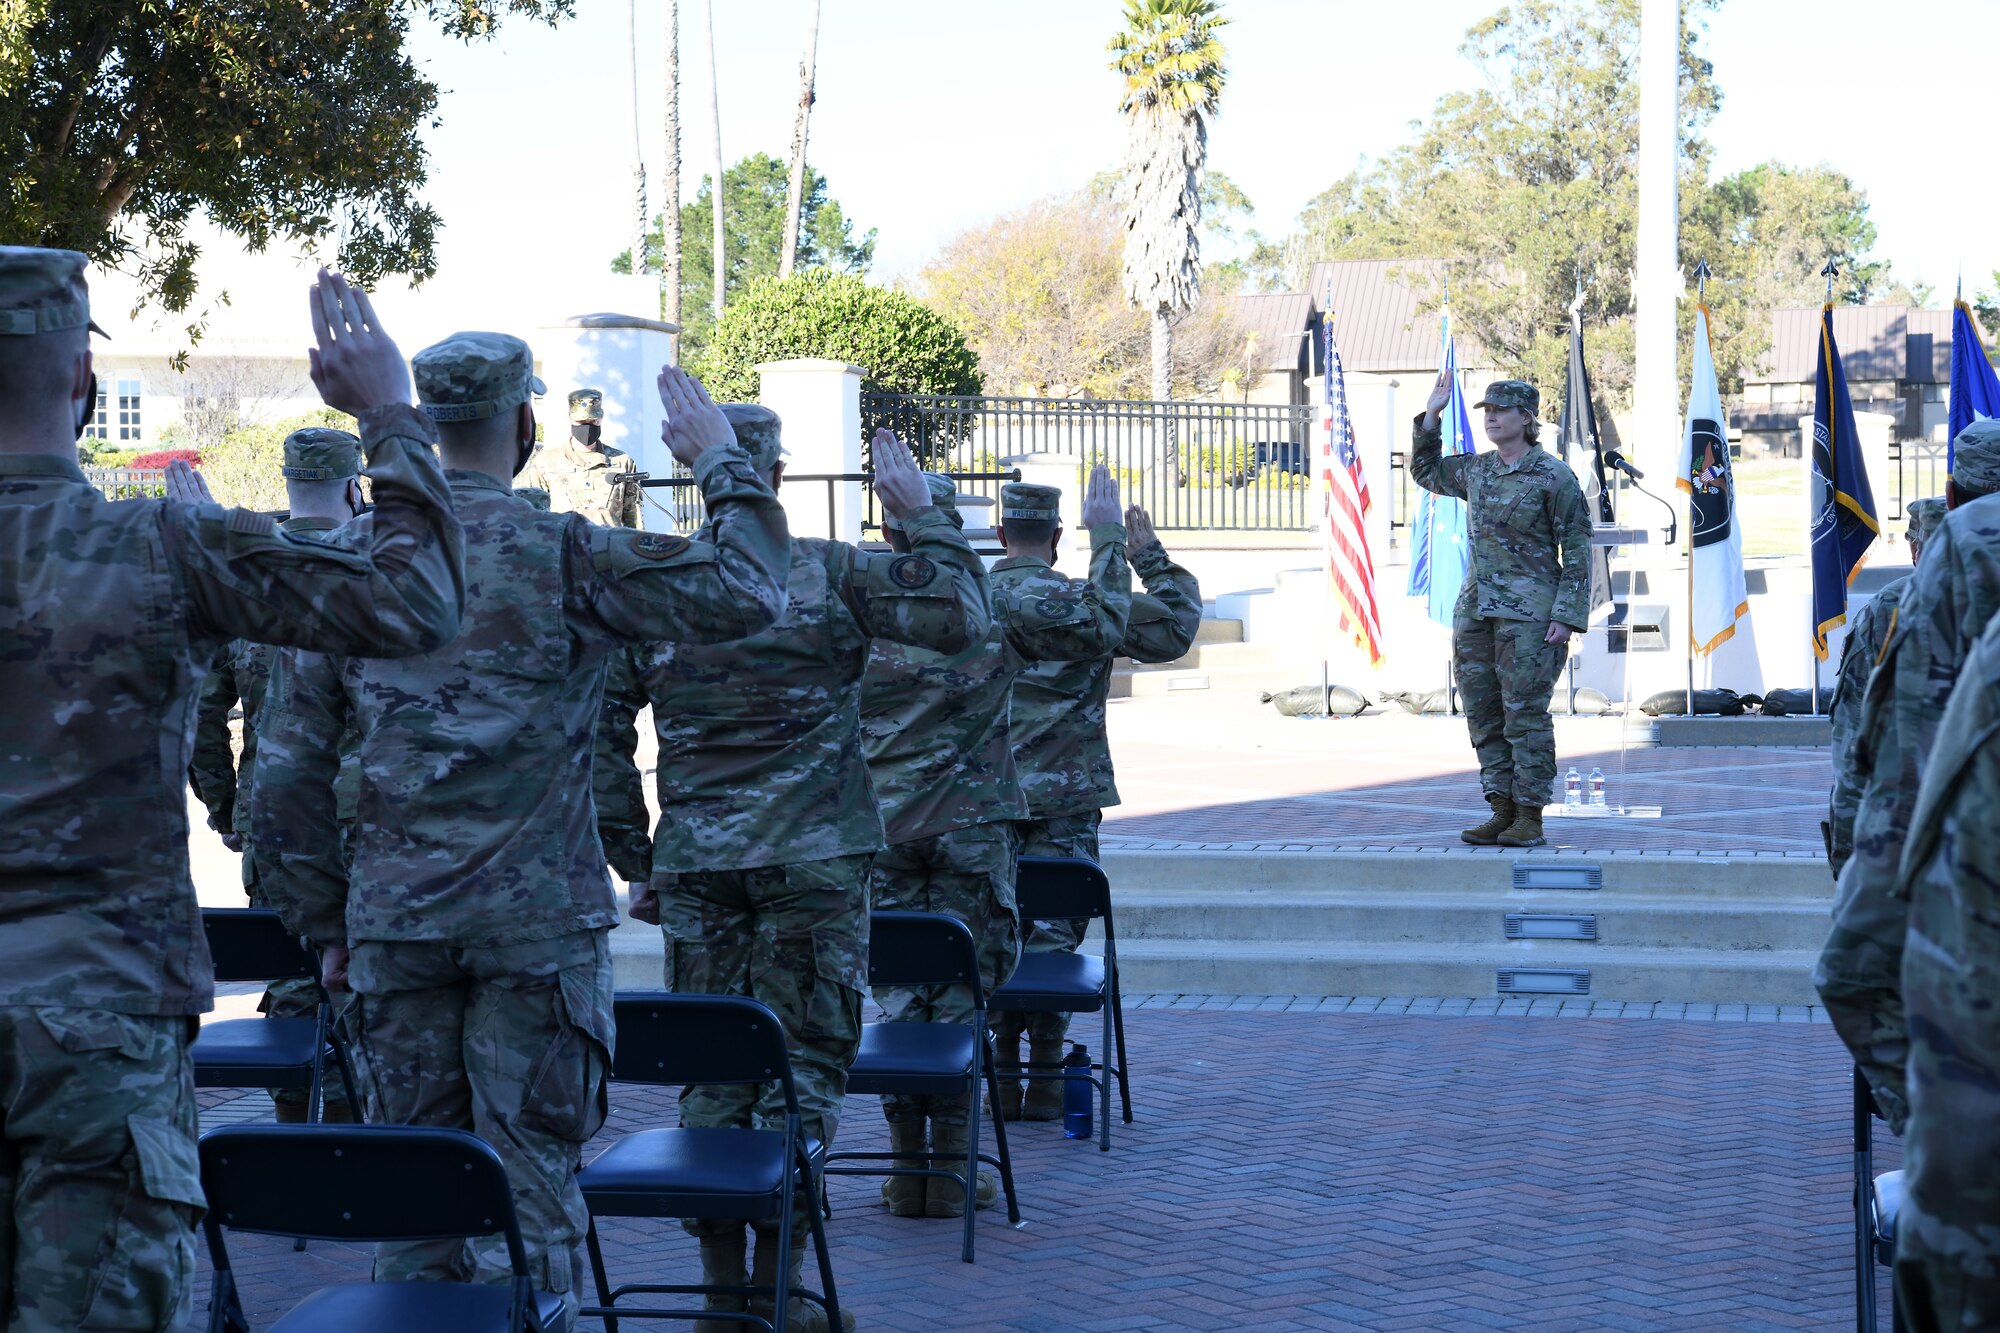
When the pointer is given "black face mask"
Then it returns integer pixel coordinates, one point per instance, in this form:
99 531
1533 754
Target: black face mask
586 433
527 452
83 418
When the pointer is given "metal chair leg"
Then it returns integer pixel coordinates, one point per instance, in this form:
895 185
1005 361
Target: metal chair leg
596 1251
1104 1129
1000 1137
1118 1026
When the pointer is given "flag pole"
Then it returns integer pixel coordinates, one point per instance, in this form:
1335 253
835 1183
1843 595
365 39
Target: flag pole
1701 314
1450 658
1325 447
1830 272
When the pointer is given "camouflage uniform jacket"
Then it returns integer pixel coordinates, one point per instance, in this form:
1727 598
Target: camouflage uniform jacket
476 826
1528 525
586 482
111 611
616 786
242 670
1867 638
1951 596
1057 719
1950 876
935 725
760 741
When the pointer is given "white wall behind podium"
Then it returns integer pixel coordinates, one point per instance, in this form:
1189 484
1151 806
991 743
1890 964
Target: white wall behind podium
622 355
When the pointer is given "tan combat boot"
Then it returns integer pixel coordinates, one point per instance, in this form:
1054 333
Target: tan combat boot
1526 830
946 1198
1485 835
800 1316
1045 1095
904 1195
723 1265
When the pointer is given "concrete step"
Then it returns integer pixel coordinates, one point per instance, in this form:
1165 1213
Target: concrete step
1156 681
1238 967
1217 630
1619 920
1220 655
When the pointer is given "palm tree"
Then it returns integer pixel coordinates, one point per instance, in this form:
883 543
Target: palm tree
639 215
795 192
1171 58
670 182
715 197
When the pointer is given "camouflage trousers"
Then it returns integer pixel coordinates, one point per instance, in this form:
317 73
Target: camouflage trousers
1506 672
300 999
1058 835
796 938
97 1163
967 873
512 1042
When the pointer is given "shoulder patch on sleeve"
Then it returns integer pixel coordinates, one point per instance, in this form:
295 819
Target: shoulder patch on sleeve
252 523
903 576
620 551
912 571
659 545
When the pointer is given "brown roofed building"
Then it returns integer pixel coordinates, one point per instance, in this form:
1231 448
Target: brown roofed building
1281 345
1897 360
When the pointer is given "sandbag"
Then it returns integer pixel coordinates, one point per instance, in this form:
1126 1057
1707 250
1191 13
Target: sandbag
1419 702
1312 701
1710 703
1589 702
1790 703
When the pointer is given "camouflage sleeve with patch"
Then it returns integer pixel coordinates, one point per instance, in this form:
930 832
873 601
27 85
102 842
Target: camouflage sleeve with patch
1430 469
616 785
295 831
1167 615
396 588
628 586
1570 517
1076 619
212 762
934 597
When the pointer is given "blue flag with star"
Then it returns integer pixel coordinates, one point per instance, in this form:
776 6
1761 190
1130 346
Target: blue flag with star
1843 504
1975 389
1439 549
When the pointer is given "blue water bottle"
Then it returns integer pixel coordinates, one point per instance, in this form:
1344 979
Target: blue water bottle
1077 1093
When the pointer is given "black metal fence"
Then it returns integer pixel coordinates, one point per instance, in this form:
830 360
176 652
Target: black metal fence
1212 466
1918 466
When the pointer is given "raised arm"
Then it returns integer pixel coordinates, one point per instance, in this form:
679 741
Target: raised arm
1089 618
1429 468
1167 615
936 595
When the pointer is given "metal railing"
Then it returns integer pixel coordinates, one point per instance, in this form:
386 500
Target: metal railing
1919 470
125 483
1213 466
685 506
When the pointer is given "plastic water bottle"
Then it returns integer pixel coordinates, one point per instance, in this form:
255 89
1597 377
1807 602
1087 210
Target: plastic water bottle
1572 788
1077 1094
1597 788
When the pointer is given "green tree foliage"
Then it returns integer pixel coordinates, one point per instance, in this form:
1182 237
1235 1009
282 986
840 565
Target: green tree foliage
1986 307
753 225
904 345
1040 294
124 121
1531 180
242 468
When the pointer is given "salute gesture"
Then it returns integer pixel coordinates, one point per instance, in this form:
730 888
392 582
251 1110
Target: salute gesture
899 483
1439 400
1100 498
354 364
694 424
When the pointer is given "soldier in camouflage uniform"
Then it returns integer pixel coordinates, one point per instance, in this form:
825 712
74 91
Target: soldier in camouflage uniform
1063 755
582 474
477 906
322 471
1951 596
935 728
112 612
768 822
1867 636
1526 592
1948 1231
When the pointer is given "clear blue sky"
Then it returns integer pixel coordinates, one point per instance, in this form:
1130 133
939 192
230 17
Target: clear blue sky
934 115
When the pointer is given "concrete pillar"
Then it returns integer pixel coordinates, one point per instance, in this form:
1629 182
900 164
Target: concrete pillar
1655 444
820 404
1065 473
622 355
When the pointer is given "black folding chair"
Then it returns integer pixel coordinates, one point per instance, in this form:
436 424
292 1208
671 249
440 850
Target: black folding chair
930 1059
1877 1200
363 1183
252 944
686 1040
1052 888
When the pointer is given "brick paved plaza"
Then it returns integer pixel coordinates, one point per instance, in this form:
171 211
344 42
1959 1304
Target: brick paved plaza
1309 1170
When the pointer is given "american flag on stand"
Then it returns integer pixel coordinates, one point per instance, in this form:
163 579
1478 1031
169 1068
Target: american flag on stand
1345 488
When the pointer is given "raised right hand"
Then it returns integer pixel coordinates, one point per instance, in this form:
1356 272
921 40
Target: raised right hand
694 424
1100 498
899 483
354 365
1439 400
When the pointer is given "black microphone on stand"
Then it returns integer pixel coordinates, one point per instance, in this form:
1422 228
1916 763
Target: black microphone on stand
1619 461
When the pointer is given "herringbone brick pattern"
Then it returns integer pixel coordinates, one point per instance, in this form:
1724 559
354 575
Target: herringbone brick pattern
1315 1171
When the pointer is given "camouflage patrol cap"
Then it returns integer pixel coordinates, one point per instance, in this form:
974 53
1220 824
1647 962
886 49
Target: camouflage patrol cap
473 376
1924 516
586 405
534 495
320 453
1512 393
944 497
1975 457
43 291
1029 501
759 430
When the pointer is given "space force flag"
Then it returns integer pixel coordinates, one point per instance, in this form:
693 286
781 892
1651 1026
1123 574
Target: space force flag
1719 597
1975 389
1842 503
